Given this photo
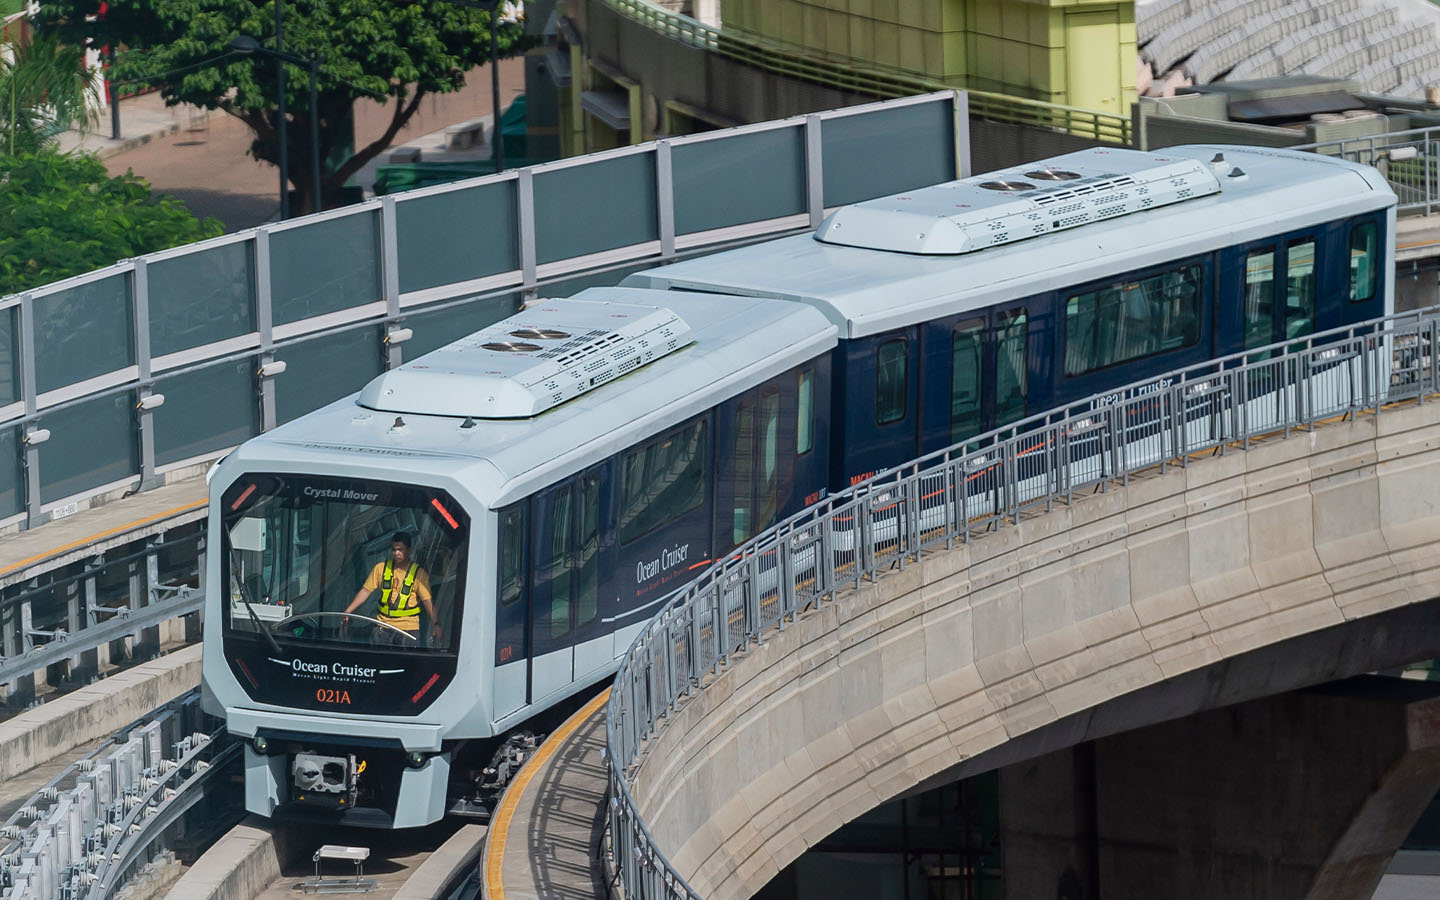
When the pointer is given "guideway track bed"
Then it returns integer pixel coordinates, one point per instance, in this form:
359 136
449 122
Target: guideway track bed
261 859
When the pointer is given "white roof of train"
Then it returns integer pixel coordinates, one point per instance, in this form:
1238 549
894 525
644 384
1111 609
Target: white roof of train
946 268
736 345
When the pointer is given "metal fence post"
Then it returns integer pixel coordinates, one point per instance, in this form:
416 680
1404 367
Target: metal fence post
784 577
10 644
28 392
91 601
25 685
525 224
1426 167
962 134
140 298
697 658
265 326
390 276
73 619
665 199
814 171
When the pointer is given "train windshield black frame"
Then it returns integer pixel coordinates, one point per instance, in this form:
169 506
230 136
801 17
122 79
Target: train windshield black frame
298 551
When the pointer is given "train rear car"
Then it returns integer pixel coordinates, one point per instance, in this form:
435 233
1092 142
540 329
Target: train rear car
970 305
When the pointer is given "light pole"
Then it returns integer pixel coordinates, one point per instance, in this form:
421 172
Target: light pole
244 44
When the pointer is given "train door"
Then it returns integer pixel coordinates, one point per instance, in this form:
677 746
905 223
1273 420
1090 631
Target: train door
1299 288
565 578
879 403
1009 361
1361 269
1269 293
953 354
755 443
976 373
512 612
1350 282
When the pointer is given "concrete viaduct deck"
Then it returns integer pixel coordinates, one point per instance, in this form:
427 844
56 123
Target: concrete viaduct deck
1301 560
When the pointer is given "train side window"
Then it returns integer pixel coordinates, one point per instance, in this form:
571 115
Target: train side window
587 586
512 554
890 381
1011 352
966 346
561 529
1299 288
1363 253
1259 298
805 412
744 460
1129 320
663 480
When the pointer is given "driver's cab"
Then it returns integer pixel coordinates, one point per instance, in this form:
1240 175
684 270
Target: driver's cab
303 558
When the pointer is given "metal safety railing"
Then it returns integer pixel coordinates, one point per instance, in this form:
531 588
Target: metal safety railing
961 493
1407 159
846 75
59 614
59 646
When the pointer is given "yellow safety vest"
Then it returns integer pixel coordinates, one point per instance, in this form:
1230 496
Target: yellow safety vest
405 606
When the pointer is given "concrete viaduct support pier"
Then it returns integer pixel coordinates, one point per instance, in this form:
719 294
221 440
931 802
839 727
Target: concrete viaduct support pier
1299 561
1303 795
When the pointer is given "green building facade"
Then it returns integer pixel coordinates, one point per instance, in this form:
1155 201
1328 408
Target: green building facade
1072 52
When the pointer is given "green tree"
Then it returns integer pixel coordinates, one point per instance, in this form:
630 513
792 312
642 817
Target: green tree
44 89
399 51
63 215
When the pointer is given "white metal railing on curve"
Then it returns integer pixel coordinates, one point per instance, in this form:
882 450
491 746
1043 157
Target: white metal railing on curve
957 494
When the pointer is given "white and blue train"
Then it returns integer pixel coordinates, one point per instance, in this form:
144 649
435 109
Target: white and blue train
551 478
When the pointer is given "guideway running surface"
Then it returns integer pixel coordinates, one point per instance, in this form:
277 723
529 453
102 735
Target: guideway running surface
542 841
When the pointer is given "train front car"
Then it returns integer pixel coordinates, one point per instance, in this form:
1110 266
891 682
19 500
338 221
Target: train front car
339 581
379 614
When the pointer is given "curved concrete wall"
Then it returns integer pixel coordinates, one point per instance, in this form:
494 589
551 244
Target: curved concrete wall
973 648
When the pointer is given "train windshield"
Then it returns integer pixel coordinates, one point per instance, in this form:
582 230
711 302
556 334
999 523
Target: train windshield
333 560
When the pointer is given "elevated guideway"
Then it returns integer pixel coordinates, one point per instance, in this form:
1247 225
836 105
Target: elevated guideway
1200 559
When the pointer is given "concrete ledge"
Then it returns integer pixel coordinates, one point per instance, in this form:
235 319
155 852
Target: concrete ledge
443 867
79 717
237 867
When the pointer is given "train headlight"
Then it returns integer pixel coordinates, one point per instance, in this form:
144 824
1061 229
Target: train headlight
261 745
415 760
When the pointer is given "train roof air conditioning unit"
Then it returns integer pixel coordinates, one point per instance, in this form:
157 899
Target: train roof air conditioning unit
1019 203
553 351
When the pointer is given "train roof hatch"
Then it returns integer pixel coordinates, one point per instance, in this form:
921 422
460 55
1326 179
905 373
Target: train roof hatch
1020 202
549 353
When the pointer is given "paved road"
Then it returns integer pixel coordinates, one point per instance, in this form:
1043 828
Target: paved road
207 166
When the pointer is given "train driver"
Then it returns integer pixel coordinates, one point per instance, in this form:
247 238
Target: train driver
404 590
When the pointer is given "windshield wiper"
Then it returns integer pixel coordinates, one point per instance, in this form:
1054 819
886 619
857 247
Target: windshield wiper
255 617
